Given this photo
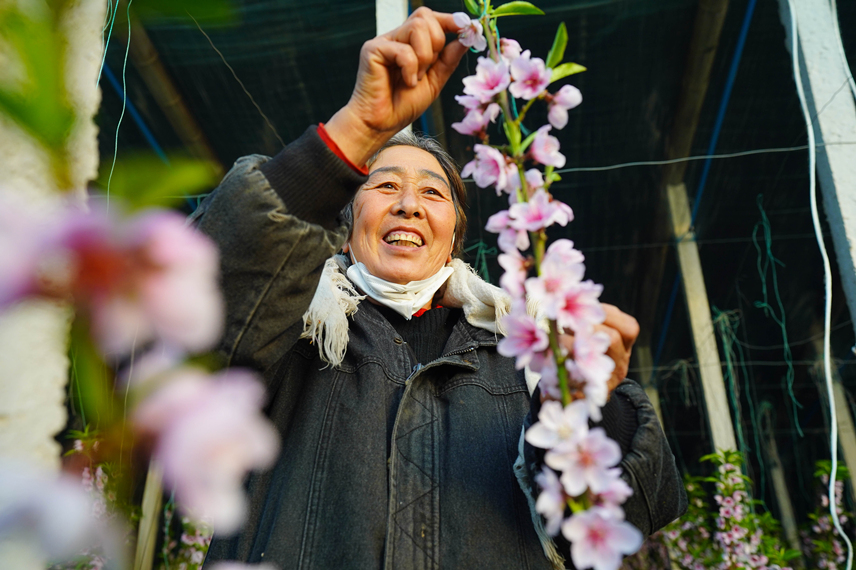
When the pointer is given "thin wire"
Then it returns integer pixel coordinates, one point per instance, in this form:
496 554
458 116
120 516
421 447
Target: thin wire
124 100
106 18
741 363
692 158
827 273
241 83
107 43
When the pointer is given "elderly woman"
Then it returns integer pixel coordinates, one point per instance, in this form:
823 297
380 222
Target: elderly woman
401 424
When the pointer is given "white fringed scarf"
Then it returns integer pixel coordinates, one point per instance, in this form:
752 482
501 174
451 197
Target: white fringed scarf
325 323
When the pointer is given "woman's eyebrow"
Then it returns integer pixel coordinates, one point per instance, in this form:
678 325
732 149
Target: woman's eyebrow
399 170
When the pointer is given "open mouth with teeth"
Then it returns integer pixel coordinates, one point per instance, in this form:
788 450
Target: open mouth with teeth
404 239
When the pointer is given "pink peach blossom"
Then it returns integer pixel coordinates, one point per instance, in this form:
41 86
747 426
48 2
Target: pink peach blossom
565 99
540 212
471 33
545 148
510 239
558 425
535 181
491 78
476 121
561 254
515 268
613 493
551 501
509 49
544 363
209 433
530 76
147 278
524 338
599 540
487 168
585 463
580 309
469 102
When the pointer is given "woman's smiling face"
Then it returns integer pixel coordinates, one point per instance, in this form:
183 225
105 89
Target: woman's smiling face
404 217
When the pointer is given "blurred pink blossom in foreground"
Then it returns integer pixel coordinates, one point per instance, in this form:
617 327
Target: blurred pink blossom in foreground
210 433
49 514
145 278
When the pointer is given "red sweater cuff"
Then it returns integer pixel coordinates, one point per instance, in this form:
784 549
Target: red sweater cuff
322 132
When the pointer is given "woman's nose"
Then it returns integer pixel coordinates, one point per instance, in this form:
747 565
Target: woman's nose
408 203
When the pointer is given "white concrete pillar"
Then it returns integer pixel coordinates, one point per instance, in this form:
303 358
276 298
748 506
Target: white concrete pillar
823 77
389 14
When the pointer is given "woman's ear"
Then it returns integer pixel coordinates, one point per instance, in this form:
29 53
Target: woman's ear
347 247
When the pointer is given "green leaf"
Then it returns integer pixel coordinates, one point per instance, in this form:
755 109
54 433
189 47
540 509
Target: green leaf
517 8
527 141
557 52
37 103
209 11
565 70
144 180
472 7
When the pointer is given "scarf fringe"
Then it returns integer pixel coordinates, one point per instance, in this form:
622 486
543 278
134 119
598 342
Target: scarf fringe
325 323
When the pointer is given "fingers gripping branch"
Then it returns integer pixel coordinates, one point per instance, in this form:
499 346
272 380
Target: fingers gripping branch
400 74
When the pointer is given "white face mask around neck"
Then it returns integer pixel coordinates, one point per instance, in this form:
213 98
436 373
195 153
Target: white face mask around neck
404 299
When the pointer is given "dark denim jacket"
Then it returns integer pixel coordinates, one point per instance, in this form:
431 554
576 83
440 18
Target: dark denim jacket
384 464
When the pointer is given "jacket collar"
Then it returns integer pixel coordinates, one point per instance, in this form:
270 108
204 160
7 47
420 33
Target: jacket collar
325 323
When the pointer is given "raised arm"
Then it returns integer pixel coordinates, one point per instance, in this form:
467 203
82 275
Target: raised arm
275 219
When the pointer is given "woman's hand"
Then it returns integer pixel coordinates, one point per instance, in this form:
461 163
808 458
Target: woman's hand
622 330
400 74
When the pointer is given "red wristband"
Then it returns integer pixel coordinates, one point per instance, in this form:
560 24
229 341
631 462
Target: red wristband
331 144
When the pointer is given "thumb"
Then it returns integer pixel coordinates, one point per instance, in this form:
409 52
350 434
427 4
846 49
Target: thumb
446 64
